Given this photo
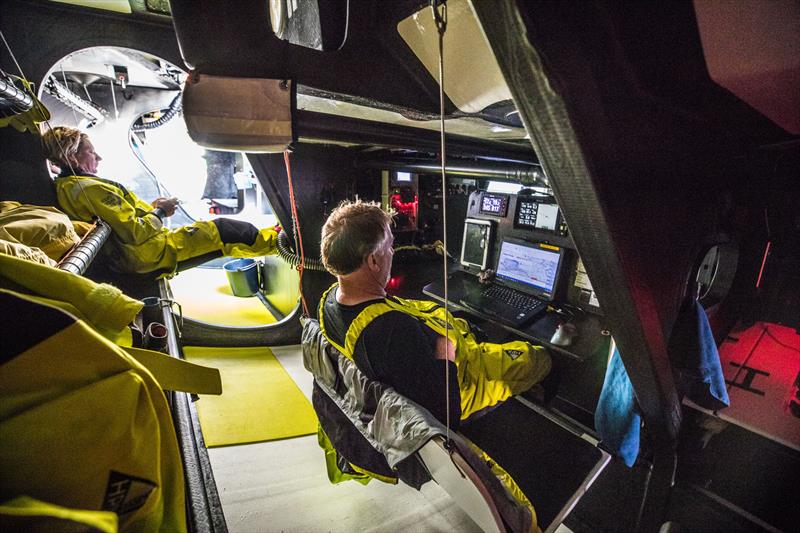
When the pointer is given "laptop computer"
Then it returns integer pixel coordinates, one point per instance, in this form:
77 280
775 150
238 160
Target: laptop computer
526 277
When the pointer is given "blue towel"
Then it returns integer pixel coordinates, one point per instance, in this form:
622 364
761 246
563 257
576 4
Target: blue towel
616 419
696 357
694 354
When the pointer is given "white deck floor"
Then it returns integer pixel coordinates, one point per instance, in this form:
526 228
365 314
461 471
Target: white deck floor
281 486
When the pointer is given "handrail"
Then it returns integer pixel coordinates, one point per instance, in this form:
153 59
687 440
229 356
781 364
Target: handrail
203 507
78 259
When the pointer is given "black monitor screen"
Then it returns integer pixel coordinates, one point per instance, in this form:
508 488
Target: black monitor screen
475 247
494 204
532 267
535 214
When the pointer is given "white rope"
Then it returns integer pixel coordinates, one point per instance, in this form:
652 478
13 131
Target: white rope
74 114
441 25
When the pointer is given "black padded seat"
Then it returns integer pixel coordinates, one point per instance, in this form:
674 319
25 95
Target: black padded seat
23 171
552 465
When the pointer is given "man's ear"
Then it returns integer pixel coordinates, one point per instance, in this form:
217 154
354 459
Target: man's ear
372 262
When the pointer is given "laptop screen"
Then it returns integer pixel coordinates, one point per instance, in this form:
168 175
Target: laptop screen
530 267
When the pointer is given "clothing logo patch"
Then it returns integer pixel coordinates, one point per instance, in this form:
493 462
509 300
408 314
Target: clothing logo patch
112 200
191 230
125 494
513 354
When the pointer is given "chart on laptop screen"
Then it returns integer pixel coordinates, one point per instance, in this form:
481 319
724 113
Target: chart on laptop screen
528 265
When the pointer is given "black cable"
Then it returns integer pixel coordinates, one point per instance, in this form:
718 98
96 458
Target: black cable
172 110
286 253
771 336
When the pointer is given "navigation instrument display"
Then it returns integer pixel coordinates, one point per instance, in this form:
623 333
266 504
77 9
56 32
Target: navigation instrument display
533 214
494 204
526 213
546 218
475 246
531 267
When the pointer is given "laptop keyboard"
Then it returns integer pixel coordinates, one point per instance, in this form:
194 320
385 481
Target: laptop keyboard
508 304
512 298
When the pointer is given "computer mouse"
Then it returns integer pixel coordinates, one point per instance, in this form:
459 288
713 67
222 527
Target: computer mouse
564 335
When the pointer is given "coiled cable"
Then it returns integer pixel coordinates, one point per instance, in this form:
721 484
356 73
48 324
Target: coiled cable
173 109
286 253
12 97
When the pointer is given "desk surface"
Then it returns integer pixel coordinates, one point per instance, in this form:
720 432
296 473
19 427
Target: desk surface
581 365
590 330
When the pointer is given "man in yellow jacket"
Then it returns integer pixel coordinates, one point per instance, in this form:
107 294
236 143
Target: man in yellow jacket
141 243
405 343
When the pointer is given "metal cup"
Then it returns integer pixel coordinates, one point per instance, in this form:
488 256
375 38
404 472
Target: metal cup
155 338
151 312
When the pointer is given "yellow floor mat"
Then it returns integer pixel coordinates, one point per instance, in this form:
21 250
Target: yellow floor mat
259 400
205 294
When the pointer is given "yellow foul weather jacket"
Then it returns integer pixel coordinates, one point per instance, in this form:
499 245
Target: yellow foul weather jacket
86 430
42 227
140 242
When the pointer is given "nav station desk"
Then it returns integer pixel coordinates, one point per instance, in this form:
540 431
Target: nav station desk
550 451
581 365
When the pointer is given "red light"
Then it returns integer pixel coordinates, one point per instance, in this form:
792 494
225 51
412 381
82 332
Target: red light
394 283
763 262
406 208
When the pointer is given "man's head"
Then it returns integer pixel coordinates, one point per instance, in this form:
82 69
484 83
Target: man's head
70 148
358 234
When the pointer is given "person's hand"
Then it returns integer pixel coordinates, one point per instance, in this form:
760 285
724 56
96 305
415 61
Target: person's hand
168 205
486 276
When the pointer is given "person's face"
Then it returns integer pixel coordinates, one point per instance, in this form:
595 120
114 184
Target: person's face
86 159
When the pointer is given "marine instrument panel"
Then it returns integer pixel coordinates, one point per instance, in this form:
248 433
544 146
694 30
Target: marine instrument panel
528 216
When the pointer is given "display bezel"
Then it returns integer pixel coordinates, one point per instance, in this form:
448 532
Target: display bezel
484 262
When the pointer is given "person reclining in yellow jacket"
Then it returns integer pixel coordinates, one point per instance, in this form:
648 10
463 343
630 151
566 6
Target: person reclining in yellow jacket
140 242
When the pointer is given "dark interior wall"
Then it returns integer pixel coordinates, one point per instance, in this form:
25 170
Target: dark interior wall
773 218
23 175
650 161
323 176
41 34
640 147
664 144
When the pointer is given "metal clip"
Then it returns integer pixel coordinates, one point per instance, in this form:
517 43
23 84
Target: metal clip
440 17
170 303
451 449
